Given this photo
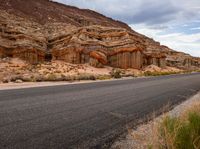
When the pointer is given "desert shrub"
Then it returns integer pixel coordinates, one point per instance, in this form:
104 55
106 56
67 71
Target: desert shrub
187 71
37 78
50 77
69 78
5 80
181 130
85 76
27 78
16 77
104 77
116 73
180 133
58 77
197 70
128 75
149 73
61 77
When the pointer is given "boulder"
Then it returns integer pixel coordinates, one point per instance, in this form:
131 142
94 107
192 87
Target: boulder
18 81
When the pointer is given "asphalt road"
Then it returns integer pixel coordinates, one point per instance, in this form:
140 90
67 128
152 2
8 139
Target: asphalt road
87 115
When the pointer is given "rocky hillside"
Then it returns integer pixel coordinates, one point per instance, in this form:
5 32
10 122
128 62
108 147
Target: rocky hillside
44 11
41 30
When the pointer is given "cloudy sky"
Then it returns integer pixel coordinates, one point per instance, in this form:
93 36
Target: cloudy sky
175 23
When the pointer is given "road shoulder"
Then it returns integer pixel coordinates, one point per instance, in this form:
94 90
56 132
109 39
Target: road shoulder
140 137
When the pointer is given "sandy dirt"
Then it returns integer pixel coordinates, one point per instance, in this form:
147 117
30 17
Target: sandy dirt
153 68
17 73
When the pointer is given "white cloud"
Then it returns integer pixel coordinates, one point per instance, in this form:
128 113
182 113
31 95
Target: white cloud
189 43
182 42
195 28
142 11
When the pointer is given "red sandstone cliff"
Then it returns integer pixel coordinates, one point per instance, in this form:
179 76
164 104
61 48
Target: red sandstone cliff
40 30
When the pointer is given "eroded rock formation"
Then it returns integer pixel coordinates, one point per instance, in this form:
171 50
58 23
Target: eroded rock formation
40 30
21 38
182 60
99 46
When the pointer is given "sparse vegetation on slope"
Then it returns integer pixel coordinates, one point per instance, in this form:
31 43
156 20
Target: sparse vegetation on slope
148 73
17 70
116 73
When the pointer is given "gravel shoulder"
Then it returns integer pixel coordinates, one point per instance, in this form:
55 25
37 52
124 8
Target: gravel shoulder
140 137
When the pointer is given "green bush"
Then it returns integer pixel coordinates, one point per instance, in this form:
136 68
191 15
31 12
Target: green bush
180 133
116 73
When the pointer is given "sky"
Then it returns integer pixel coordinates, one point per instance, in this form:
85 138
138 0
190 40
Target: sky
174 23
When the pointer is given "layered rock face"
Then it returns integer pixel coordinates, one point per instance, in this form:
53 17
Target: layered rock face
99 46
182 60
21 38
96 45
40 30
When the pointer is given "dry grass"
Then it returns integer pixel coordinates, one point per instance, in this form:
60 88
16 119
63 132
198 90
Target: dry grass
104 77
157 73
180 132
149 73
170 132
85 76
116 73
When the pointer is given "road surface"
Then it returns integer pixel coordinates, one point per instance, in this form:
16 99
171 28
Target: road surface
87 115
